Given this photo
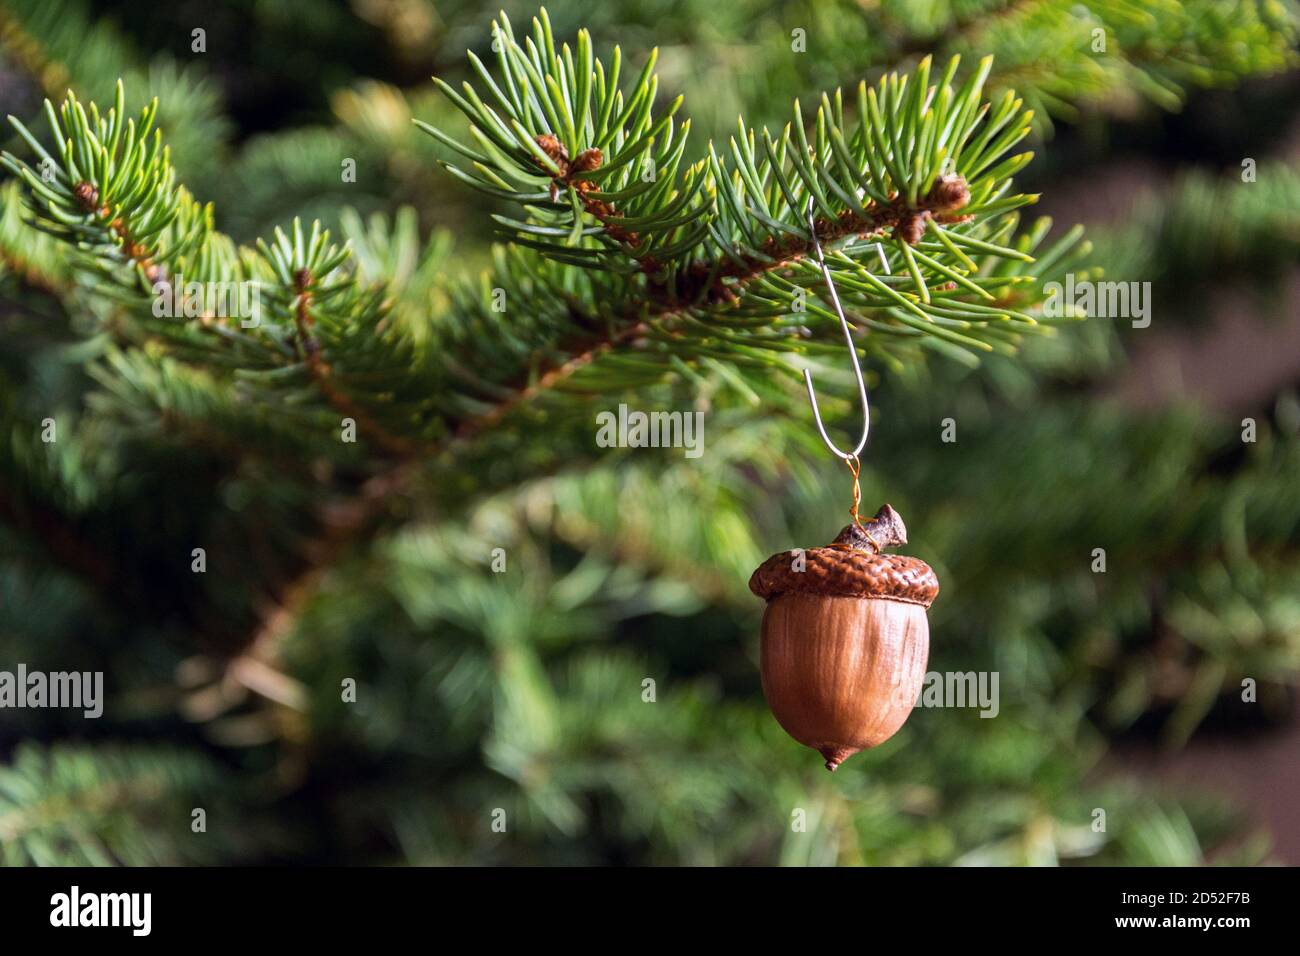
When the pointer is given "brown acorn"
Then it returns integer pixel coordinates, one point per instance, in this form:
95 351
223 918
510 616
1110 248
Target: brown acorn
845 637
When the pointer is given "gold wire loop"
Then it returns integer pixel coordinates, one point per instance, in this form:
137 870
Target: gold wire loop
855 468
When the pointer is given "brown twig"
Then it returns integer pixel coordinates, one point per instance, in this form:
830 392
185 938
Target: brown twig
342 523
322 374
87 196
703 285
570 175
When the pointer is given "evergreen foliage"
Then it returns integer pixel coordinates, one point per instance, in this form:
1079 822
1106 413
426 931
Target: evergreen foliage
638 256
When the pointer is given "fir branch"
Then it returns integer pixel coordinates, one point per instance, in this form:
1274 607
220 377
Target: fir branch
113 805
698 264
712 247
111 194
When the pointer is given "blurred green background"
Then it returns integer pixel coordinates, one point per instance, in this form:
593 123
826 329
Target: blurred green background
523 691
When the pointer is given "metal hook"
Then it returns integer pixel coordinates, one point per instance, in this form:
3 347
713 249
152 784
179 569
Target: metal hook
853 354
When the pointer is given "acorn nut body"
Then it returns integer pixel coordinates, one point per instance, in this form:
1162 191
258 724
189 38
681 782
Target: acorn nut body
845 638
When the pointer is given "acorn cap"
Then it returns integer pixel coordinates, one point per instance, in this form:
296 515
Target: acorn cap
852 567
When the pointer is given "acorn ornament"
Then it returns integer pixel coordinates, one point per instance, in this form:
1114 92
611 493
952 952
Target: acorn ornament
845 636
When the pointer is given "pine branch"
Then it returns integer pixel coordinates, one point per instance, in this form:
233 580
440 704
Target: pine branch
711 260
614 280
918 154
699 264
1049 49
115 805
111 193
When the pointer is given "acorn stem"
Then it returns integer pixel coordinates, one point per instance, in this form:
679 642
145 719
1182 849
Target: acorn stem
886 529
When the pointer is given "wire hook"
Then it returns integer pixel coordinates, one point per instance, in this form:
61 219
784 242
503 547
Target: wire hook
853 354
